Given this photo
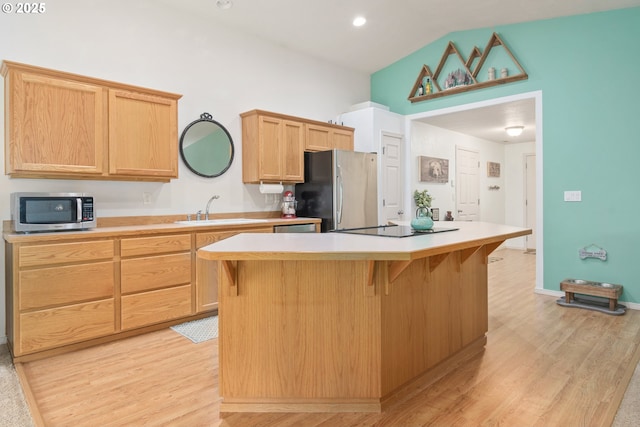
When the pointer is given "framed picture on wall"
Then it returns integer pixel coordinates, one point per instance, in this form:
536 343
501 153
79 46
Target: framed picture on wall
433 169
493 170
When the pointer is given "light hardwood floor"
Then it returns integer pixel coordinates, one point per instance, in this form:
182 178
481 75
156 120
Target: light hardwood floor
544 365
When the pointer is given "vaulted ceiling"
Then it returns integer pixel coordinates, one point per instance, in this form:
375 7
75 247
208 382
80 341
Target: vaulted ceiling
394 29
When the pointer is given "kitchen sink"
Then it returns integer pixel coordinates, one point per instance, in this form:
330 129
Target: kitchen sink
222 221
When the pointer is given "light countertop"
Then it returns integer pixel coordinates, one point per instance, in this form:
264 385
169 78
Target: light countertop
341 246
148 229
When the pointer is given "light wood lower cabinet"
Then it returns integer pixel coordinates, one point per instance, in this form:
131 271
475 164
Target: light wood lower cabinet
55 327
61 253
60 294
63 295
44 287
155 279
145 308
154 272
207 272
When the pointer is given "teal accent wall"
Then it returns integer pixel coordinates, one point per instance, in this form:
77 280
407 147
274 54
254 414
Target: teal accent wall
588 69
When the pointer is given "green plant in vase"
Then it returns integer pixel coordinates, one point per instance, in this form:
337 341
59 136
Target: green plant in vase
423 220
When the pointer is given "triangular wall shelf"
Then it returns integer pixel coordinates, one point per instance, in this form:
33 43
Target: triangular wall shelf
466 67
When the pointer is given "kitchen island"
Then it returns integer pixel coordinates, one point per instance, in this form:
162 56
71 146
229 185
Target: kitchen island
339 322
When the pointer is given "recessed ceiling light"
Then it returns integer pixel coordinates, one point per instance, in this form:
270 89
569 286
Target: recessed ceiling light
359 21
224 4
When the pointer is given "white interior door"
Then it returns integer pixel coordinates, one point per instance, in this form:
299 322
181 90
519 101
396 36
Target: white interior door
468 187
530 200
392 183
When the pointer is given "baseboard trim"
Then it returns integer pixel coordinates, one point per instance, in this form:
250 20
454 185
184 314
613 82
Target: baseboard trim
397 396
32 402
362 405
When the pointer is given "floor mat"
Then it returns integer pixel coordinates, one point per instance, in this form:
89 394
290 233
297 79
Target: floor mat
199 330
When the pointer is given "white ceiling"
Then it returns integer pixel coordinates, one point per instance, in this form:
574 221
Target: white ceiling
489 122
394 29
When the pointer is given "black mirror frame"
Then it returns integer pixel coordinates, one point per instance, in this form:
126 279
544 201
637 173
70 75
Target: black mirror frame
206 117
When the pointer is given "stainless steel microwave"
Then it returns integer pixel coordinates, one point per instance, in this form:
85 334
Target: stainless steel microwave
52 211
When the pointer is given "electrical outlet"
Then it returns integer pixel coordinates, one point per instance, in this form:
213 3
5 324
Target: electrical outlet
573 196
146 198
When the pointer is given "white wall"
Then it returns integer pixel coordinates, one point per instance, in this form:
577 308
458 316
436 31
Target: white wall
514 188
370 123
432 141
216 69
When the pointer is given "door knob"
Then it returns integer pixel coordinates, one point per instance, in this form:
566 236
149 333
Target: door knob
400 212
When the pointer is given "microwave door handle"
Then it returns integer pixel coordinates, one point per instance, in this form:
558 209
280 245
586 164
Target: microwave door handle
79 210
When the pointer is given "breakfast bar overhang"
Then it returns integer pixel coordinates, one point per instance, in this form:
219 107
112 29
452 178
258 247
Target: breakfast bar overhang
334 322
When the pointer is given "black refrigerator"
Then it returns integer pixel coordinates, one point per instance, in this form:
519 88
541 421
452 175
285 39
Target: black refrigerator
341 187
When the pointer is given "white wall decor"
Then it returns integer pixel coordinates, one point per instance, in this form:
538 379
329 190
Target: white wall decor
433 169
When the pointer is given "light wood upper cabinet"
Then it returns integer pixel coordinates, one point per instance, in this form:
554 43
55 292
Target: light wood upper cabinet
62 125
273 145
143 139
54 125
292 151
327 137
342 139
272 148
318 138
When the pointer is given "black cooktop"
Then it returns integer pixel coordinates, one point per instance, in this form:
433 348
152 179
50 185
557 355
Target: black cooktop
393 231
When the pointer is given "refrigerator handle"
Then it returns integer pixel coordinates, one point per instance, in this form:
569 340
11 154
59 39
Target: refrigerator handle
340 193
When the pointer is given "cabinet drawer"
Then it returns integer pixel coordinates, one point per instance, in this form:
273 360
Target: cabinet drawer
204 239
142 274
155 306
59 253
66 285
155 245
55 327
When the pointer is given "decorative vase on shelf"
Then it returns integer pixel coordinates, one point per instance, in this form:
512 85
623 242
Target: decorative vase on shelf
423 220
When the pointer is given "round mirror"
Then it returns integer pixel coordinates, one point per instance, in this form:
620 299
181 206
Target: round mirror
206 147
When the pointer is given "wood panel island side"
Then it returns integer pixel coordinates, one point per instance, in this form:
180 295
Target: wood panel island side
337 322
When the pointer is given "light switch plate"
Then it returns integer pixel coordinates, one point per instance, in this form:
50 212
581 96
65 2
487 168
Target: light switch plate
573 196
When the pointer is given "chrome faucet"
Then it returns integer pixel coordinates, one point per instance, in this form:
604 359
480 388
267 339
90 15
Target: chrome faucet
206 212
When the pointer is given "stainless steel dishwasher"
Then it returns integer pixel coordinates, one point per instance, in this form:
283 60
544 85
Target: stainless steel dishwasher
295 228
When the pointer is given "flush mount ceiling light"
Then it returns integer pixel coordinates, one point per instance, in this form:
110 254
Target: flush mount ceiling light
514 130
224 4
359 21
